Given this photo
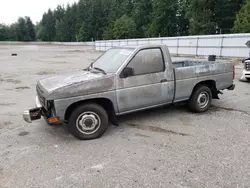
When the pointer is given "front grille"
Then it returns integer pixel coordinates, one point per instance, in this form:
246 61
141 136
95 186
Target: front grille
247 65
40 97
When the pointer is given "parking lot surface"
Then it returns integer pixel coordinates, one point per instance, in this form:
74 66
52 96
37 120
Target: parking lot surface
163 147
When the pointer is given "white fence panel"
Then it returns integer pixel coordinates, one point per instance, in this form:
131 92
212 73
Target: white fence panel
232 45
208 51
155 41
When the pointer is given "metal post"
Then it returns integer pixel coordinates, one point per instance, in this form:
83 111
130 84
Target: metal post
177 46
221 46
197 46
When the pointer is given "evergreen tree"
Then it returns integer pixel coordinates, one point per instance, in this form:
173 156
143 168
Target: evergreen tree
124 27
201 17
142 14
22 30
225 14
83 33
164 21
48 24
182 21
3 32
31 29
242 22
109 19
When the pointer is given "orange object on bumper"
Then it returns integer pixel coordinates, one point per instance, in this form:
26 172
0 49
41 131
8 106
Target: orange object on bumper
53 119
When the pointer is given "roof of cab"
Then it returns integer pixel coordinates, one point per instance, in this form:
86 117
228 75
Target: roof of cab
141 46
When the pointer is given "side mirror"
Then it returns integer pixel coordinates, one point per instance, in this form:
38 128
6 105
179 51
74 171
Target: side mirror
127 72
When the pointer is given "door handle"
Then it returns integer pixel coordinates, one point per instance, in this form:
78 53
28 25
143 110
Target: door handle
164 80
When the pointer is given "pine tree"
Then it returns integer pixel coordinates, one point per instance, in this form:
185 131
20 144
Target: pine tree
182 21
201 17
142 14
124 27
82 34
48 23
164 21
242 22
225 14
31 29
22 30
3 32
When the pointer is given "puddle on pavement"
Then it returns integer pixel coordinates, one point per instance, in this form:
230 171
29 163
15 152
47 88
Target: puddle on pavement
13 81
23 133
21 88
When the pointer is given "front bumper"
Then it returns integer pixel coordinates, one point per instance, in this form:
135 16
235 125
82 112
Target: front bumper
37 112
246 73
34 113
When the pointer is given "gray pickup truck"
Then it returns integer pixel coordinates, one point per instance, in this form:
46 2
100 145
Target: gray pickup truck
125 80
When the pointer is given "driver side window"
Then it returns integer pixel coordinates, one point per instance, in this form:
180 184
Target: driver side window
147 61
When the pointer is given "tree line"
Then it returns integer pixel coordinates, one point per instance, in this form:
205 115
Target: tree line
89 20
22 30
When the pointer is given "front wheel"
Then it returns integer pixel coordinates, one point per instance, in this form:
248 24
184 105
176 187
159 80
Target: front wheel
201 99
88 121
248 79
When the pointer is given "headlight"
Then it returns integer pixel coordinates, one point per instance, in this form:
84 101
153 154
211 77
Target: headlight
51 108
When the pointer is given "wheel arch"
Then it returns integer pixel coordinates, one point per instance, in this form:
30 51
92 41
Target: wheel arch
106 103
211 84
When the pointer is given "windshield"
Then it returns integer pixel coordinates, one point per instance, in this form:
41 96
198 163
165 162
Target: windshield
112 60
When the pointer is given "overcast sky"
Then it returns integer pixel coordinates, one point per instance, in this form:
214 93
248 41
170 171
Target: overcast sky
10 10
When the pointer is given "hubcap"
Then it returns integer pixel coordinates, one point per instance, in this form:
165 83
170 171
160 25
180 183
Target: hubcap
203 99
88 123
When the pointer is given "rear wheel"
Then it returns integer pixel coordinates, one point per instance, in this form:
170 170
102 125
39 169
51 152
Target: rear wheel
201 99
88 121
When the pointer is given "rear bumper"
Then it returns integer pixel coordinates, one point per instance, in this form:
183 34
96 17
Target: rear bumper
232 87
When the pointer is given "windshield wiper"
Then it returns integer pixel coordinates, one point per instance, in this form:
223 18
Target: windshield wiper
101 70
89 67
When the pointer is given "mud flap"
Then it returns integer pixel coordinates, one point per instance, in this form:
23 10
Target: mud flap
113 118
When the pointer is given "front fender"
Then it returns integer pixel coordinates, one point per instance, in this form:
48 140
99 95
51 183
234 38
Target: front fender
61 105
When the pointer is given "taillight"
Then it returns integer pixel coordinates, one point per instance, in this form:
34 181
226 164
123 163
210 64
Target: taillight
233 72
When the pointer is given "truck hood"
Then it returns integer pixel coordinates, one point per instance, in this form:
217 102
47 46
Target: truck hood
74 84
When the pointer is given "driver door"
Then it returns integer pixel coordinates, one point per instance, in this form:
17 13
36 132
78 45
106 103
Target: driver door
143 88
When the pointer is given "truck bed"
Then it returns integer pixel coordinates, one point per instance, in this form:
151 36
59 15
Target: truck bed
188 63
189 73
190 69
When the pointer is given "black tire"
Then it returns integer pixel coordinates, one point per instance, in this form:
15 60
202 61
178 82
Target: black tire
201 93
248 79
94 114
